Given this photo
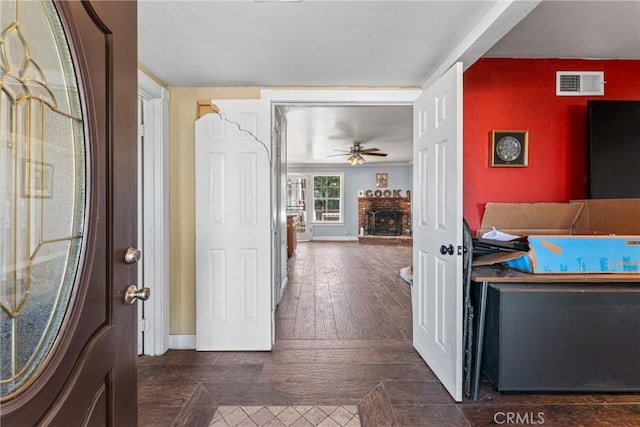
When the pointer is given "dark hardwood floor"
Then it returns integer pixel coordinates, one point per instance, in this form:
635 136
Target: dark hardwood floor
343 337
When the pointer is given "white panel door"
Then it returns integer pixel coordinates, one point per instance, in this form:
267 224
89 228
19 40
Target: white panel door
233 227
437 221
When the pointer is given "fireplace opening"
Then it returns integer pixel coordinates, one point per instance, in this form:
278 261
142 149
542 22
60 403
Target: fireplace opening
384 223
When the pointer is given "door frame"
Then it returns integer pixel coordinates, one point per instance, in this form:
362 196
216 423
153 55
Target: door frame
279 279
280 97
153 168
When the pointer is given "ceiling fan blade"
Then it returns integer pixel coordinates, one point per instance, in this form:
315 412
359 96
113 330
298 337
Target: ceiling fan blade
336 155
368 150
375 154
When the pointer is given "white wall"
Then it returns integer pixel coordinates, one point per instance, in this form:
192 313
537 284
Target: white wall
356 178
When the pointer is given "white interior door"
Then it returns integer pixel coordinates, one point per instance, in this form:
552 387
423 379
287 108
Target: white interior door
437 220
233 227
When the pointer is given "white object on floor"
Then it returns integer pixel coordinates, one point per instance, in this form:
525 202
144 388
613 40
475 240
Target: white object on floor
407 275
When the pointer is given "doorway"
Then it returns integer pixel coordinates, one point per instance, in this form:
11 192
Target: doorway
357 180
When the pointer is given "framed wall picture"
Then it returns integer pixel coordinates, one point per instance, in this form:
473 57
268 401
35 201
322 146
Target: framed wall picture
509 148
382 180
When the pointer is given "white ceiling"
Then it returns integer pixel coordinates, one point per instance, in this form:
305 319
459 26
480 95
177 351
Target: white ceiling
316 132
575 29
307 43
321 43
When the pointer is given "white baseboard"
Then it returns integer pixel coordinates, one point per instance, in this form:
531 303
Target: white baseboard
182 342
335 238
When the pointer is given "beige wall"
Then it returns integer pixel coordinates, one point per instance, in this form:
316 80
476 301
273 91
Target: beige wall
182 115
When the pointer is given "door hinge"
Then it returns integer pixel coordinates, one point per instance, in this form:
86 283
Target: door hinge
143 324
140 130
461 250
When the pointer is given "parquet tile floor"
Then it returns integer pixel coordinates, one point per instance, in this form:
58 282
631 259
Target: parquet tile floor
343 339
286 416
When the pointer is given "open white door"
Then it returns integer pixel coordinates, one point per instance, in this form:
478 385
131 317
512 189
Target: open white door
437 229
233 227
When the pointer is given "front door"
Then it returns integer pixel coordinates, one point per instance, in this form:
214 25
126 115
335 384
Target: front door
437 229
68 88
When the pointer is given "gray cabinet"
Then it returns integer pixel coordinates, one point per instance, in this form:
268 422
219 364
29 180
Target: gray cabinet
563 337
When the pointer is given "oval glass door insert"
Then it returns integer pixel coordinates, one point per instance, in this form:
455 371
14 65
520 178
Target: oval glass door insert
42 186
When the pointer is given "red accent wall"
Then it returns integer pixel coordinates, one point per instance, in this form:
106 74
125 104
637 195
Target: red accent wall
520 94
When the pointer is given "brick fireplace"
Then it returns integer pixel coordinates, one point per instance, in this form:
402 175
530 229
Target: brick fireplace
385 220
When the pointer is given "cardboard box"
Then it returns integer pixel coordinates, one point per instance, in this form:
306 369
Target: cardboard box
580 254
581 236
609 216
524 219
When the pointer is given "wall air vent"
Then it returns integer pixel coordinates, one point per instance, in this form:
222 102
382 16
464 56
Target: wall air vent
579 83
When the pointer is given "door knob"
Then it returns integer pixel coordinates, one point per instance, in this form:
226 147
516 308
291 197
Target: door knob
446 250
134 293
132 255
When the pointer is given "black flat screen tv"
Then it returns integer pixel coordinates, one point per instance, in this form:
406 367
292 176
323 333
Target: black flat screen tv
614 149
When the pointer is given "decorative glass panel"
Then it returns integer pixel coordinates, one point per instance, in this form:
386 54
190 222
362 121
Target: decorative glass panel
42 186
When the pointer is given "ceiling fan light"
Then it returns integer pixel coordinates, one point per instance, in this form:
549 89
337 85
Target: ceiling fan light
359 159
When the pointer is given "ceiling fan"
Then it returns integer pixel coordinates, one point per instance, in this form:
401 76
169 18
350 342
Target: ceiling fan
355 153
